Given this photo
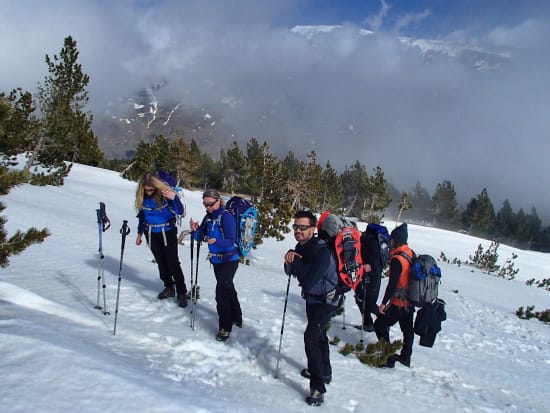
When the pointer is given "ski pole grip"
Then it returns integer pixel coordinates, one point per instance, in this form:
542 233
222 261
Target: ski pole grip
288 268
102 215
125 230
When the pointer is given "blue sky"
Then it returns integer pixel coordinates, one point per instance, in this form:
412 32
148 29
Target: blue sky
473 92
434 18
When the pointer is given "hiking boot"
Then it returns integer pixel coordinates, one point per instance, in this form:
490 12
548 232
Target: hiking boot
305 373
222 335
315 398
406 361
390 364
368 327
168 292
182 301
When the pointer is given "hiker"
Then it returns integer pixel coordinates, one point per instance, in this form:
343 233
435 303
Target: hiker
394 306
157 206
366 294
313 263
218 230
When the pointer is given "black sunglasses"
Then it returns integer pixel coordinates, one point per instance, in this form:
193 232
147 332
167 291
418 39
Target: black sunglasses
301 227
209 204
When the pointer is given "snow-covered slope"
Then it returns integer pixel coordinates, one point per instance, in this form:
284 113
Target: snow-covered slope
60 354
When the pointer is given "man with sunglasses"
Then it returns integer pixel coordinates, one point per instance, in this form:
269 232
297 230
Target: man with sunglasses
219 230
312 262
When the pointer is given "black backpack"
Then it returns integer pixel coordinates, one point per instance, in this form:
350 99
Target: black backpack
384 244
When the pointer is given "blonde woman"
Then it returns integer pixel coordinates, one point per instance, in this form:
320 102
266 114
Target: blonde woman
157 205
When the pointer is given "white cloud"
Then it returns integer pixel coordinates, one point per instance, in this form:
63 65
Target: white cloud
411 19
457 123
375 21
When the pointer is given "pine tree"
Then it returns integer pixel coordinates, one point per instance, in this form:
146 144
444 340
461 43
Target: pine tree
196 170
505 221
355 186
21 125
528 227
234 169
66 133
19 241
255 168
274 207
445 205
377 354
180 160
331 189
479 216
212 172
295 175
143 161
423 206
376 198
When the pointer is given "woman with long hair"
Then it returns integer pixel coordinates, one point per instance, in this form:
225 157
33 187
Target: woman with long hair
157 205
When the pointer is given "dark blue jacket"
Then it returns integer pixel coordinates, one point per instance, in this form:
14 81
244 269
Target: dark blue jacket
316 271
158 218
219 224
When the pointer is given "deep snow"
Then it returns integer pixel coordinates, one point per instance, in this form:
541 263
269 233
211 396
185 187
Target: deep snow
60 354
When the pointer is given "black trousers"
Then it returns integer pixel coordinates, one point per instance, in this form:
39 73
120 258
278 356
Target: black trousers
227 302
394 314
366 295
167 259
316 344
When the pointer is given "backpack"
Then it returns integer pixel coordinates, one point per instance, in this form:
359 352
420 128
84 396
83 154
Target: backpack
169 180
246 216
424 279
344 238
384 244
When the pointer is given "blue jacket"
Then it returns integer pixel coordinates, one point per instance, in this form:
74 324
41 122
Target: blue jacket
219 224
156 218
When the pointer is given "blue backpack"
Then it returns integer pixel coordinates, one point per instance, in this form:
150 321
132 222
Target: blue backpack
246 216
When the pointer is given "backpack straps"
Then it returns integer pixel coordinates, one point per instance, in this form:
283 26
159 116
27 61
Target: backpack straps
402 293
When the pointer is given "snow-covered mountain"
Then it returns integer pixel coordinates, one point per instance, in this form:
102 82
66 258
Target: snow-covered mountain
154 110
149 113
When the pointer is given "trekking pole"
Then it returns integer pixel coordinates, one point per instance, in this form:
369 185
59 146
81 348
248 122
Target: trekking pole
363 312
287 271
103 225
344 312
192 247
191 295
124 231
194 293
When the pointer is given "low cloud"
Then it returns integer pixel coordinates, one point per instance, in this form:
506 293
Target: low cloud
480 120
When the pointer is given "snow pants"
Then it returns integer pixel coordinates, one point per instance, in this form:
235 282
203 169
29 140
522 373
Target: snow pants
167 259
227 302
366 296
405 316
316 344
